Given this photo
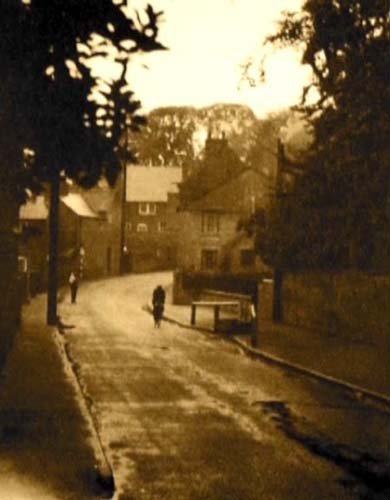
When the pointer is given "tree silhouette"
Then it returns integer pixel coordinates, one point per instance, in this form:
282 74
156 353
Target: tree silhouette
57 117
346 189
167 138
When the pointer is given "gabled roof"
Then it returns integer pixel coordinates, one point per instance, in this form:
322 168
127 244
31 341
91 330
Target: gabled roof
101 197
78 205
232 195
151 183
34 209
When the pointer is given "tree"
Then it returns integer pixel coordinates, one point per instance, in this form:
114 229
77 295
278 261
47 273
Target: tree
56 117
262 154
52 105
175 135
167 138
347 45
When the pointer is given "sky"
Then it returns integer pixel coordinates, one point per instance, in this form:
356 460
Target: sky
209 41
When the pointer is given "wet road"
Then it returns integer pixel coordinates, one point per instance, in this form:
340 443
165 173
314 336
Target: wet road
186 416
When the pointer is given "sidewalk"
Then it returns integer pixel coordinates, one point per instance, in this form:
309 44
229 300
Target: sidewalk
362 365
45 448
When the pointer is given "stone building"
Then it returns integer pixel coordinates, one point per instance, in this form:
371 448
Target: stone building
34 242
209 237
150 217
102 237
89 240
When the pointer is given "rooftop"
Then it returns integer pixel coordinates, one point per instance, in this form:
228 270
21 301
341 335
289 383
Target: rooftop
151 184
34 209
78 205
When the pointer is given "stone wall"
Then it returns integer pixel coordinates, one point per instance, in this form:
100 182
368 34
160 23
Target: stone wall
101 242
154 249
265 300
192 240
350 305
180 295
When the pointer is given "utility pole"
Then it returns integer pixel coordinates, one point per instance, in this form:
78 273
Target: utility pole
53 250
123 206
277 311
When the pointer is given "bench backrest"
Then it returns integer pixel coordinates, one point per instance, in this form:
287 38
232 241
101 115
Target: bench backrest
246 310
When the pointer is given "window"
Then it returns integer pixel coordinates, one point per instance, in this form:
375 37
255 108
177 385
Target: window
210 222
247 258
209 259
142 228
162 226
147 208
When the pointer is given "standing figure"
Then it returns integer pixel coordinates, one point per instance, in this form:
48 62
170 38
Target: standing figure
74 284
158 302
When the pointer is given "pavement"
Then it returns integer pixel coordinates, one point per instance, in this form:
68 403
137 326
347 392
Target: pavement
362 367
48 447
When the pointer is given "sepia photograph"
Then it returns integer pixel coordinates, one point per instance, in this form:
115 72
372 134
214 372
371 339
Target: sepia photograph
194 249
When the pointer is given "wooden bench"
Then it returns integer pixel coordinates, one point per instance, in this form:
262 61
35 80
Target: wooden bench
245 311
215 304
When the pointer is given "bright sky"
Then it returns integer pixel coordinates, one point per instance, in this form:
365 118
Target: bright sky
209 41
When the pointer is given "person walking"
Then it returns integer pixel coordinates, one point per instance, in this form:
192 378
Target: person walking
158 302
74 285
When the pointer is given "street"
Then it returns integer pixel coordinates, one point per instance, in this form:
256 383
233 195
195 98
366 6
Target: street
186 415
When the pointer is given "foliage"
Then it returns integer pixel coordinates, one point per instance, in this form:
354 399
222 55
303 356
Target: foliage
174 136
56 115
297 237
235 121
342 203
167 138
262 155
219 161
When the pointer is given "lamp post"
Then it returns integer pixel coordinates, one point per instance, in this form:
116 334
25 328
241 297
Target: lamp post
53 250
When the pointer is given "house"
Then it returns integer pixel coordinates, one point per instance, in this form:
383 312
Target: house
88 239
76 250
34 241
218 163
102 238
150 217
209 238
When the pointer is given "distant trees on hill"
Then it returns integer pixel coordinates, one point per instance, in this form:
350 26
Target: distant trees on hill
212 143
176 135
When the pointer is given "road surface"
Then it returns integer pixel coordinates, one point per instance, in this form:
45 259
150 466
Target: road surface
184 415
